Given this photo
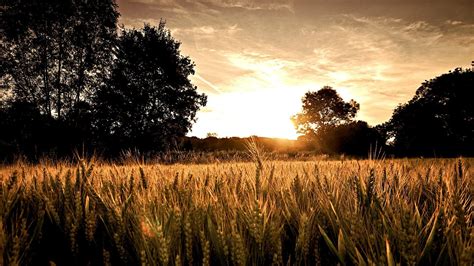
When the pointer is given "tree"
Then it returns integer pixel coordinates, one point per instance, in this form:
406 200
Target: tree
55 53
438 120
148 100
53 56
211 135
328 125
323 109
353 138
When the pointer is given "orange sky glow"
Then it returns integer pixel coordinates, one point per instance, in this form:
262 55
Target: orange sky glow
255 59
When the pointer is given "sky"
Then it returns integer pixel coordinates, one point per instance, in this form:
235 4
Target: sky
255 59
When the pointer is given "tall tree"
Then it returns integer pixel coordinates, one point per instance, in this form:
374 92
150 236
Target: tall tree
322 109
148 100
327 124
53 56
55 53
438 120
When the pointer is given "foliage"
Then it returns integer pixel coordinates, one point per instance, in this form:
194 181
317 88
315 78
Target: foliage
323 108
69 82
438 120
214 144
354 138
54 56
328 125
56 53
408 212
148 99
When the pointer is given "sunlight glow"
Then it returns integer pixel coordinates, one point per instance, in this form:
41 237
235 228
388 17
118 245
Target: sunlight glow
339 76
252 113
345 93
259 103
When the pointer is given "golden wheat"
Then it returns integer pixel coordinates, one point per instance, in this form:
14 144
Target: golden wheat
267 212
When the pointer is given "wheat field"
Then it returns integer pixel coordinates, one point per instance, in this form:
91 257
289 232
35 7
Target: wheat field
346 212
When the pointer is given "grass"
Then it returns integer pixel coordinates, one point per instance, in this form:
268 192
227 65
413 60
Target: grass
388 212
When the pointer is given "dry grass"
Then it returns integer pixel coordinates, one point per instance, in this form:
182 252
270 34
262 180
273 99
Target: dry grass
267 212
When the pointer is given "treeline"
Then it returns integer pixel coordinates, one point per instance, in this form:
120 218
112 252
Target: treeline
211 144
71 79
437 122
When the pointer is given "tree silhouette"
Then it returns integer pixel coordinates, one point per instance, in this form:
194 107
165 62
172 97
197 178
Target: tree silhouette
322 109
438 120
55 53
328 125
353 138
148 101
68 80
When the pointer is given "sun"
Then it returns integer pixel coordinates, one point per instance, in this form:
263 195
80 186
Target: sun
257 104
265 113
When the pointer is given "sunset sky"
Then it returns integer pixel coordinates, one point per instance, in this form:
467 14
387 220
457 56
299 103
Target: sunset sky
256 59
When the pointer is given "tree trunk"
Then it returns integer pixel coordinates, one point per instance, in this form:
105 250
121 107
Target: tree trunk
58 104
47 89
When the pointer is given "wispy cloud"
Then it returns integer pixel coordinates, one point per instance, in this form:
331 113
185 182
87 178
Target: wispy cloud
256 59
214 88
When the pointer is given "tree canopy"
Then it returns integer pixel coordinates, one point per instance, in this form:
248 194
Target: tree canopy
56 53
69 81
323 108
148 99
438 120
327 124
70 78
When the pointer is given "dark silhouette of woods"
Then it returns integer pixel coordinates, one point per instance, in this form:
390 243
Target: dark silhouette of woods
148 100
438 120
56 53
327 124
324 109
69 81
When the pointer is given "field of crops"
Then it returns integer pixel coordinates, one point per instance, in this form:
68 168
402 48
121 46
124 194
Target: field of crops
373 212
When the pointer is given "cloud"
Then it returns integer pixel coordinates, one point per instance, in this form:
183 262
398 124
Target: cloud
214 5
430 10
250 52
214 88
252 4
454 22
207 30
